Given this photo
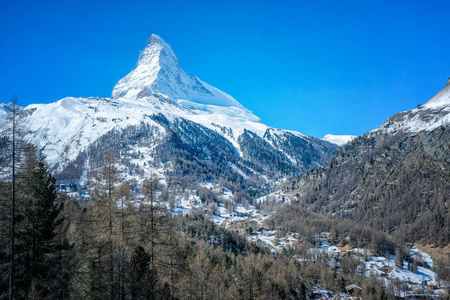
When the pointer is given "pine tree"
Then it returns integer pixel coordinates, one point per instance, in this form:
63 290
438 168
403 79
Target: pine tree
12 284
88 287
171 255
144 279
302 291
10 161
123 233
36 232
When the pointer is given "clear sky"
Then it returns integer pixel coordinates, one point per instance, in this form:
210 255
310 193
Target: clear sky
317 67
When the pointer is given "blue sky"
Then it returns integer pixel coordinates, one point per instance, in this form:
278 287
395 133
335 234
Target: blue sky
317 67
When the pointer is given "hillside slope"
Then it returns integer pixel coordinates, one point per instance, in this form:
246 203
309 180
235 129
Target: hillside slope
395 179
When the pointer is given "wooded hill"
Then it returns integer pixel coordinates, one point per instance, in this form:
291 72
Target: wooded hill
398 184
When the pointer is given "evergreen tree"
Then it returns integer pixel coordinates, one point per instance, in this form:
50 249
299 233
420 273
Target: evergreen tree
89 289
144 279
36 232
302 291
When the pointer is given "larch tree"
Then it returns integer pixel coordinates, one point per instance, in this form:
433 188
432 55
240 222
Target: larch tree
103 212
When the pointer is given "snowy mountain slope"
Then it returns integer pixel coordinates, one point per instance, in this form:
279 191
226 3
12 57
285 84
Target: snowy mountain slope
66 127
180 110
4 111
434 113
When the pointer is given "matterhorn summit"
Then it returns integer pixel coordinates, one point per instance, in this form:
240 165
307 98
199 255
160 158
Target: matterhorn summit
157 73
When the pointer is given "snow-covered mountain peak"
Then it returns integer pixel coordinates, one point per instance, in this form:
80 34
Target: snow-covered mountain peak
155 42
440 99
157 73
158 52
155 39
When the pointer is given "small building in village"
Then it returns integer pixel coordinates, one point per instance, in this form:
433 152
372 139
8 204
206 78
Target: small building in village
353 290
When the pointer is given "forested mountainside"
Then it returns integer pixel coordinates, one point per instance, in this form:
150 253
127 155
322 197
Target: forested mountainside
186 154
398 184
